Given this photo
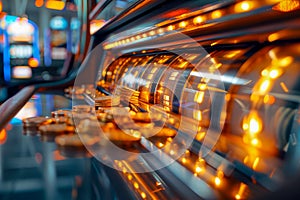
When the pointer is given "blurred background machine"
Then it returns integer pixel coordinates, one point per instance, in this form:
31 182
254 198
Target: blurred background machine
204 93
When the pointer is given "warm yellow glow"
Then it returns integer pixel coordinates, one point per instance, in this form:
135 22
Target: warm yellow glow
198 20
200 165
252 124
136 185
264 86
197 115
284 87
183 24
183 160
129 177
200 135
143 195
144 35
55 5
171 28
202 86
284 62
264 72
273 37
232 54
216 14
152 33
132 39
217 181
1 6
255 142
199 97
161 30
244 6
241 191
287 5
255 163
237 196
138 37
275 73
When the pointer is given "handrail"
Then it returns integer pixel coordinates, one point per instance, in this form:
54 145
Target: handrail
12 105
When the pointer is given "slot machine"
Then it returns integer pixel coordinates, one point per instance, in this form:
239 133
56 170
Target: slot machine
56 42
21 50
185 100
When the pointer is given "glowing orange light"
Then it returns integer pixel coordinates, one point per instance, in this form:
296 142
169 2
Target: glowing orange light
264 86
255 163
184 160
284 87
1 7
216 14
197 115
255 142
183 24
217 181
3 136
269 99
287 6
252 124
136 185
143 195
199 97
55 4
129 177
275 73
237 196
284 62
33 62
171 28
152 33
95 25
244 6
200 165
39 3
273 37
198 20
202 86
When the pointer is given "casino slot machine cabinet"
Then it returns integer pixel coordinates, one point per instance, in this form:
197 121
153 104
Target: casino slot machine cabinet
184 100
21 50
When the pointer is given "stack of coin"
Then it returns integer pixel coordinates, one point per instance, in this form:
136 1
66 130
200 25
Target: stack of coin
107 101
63 116
31 124
50 131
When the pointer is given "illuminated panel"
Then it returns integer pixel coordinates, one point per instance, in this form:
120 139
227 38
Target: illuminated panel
58 53
20 51
21 72
55 5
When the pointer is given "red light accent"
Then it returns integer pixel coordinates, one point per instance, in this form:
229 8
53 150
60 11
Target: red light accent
175 13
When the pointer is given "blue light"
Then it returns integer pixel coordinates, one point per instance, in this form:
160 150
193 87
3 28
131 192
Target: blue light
58 23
